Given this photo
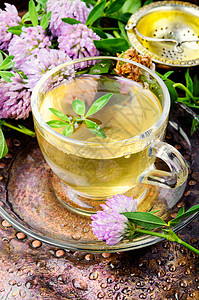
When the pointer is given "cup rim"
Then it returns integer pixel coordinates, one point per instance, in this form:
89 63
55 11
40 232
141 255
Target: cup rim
142 136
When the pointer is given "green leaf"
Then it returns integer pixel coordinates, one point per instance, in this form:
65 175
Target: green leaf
96 13
166 75
70 21
94 128
68 130
6 75
79 107
123 31
99 32
172 91
15 29
195 86
101 67
195 125
114 6
98 104
189 82
45 20
180 212
56 123
1 57
112 46
189 212
7 63
148 2
43 3
59 114
145 219
33 13
3 145
130 6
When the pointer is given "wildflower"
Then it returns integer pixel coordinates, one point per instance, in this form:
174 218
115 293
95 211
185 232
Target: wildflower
8 18
75 9
31 40
14 99
110 225
77 41
36 66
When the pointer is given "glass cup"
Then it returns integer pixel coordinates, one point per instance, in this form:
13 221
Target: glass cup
88 169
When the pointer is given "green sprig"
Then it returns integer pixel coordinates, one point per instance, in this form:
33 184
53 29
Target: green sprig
70 124
144 222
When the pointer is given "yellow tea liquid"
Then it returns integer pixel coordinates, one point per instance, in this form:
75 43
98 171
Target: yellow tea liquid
106 166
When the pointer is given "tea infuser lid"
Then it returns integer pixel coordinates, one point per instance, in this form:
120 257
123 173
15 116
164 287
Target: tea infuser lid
168 32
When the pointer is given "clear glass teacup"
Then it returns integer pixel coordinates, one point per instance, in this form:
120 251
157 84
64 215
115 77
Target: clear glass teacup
92 168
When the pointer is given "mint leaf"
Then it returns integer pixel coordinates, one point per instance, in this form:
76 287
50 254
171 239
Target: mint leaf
78 107
145 219
59 114
56 123
189 82
195 125
70 21
98 104
96 13
33 13
3 145
68 130
94 128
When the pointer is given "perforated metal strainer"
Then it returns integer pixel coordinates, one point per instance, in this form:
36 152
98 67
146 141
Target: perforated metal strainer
168 31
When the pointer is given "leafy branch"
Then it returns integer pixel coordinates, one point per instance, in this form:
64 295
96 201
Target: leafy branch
141 223
190 90
71 123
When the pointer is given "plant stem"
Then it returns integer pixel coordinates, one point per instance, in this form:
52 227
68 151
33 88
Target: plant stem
25 130
184 88
171 236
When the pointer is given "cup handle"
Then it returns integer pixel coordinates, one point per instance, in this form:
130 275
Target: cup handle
174 160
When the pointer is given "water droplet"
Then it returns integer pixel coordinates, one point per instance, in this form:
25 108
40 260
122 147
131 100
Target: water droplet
182 263
106 255
110 280
127 155
76 236
80 284
119 297
2 290
62 278
20 235
126 291
150 289
12 282
100 295
93 275
103 285
22 293
36 244
89 257
183 283
140 283
116 287
5 224
172 268
60 253
142 296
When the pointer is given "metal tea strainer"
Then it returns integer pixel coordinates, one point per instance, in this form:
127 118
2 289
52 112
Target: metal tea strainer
168 32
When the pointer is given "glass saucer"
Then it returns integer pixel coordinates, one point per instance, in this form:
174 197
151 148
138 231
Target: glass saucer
28 200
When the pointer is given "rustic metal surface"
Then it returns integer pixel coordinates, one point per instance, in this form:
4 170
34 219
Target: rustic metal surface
30 269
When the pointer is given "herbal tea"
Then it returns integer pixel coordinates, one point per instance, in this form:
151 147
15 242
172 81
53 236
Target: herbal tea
101 167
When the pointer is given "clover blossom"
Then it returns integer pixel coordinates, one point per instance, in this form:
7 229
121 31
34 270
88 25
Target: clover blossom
8 18
14 99
77 41
31 40
35 67
110 225
75 9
